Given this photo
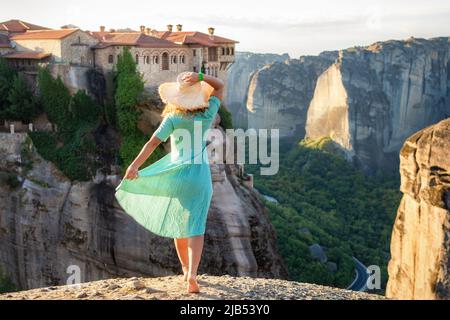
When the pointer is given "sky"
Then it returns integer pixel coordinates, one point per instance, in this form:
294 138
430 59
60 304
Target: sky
296 27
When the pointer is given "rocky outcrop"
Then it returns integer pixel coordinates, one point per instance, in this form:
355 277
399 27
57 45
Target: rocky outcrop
372 98
173 288
238 80
420 246
50 225
279 94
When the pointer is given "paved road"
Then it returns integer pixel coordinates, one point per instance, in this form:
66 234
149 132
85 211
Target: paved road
360 281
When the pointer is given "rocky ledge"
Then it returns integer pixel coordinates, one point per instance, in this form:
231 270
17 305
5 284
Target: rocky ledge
173 288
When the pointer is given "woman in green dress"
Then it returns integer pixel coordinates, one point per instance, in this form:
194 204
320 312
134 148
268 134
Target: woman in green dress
172 196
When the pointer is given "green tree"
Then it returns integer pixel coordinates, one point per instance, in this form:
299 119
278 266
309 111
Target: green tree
55 98
21 101
7 74
129 88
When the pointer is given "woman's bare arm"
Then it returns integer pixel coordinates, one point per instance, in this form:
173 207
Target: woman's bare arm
216 83
146 151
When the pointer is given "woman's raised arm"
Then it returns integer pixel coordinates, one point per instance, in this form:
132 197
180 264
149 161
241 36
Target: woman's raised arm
216 83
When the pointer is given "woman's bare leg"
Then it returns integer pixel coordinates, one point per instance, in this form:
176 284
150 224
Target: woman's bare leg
195 248
181 244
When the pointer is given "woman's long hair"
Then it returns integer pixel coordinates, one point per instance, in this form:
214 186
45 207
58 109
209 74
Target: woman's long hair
169 108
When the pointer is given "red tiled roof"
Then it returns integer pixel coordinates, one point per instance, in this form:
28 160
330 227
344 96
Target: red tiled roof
4 41
16 25
44 34
131 39
193 37
27 55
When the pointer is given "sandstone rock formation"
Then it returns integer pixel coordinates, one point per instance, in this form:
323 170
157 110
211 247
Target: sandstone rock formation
420 247
279 94
49 223
173 288
373 98
367 99
239 76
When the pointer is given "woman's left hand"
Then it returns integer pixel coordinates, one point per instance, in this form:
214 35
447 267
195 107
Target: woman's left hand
191 77
131 173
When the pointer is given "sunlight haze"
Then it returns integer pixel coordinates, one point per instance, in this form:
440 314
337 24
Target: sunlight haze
295 27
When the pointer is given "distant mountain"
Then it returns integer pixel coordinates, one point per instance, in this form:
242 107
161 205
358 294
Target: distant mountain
367 99
239 76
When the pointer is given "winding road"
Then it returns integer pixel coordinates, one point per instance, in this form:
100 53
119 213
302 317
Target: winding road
360 281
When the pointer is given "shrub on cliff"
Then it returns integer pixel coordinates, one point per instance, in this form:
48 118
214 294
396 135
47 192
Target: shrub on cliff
84 109
72 148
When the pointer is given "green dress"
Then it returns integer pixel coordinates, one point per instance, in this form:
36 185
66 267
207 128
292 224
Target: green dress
171 197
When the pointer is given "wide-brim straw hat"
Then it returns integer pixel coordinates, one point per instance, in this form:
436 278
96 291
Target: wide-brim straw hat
184 95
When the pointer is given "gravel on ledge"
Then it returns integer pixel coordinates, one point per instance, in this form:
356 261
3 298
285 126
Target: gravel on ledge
173 288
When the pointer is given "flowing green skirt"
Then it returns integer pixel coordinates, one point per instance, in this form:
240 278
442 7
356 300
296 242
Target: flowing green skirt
169 198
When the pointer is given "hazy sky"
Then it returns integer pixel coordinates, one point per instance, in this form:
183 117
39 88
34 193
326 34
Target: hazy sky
296 27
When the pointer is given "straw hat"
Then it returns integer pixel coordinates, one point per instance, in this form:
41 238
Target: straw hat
184 95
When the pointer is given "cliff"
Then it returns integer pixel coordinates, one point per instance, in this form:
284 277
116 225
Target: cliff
49 223
239 75
173 288
420 245
279 94
367 99
374 97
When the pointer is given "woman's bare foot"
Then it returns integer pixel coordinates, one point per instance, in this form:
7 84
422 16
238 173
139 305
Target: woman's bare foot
185 273
192 286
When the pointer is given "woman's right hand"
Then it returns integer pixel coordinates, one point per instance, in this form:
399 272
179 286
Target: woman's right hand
131 173
191 78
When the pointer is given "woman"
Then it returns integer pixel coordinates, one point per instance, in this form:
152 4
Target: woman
172 196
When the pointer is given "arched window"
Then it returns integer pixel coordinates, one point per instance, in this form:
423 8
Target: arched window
137 59
228 51
155 59
182 59
173 59
165 61
147 59
110 58
223 51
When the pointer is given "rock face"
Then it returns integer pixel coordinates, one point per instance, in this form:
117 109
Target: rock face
173 288
239 75
420 247
51 226
279 94
372 98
